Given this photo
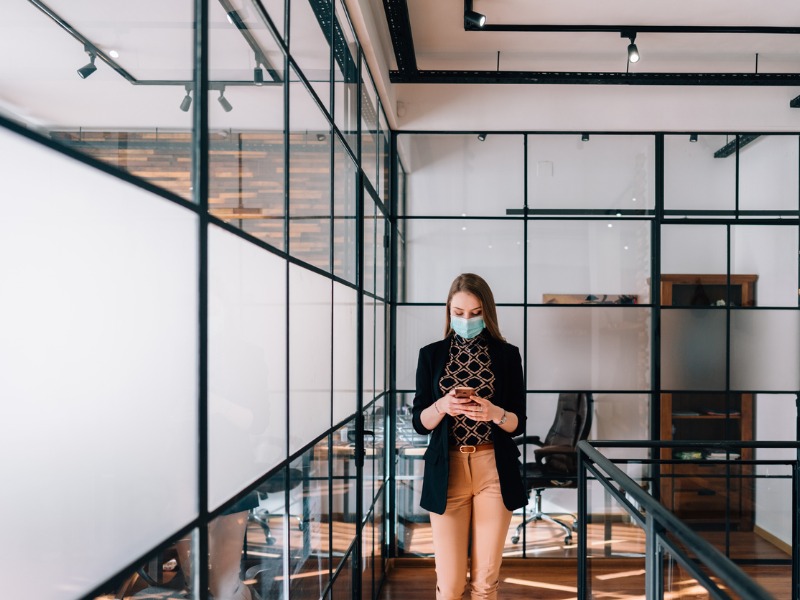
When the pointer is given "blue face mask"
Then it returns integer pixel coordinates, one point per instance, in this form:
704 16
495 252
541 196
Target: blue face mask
467 328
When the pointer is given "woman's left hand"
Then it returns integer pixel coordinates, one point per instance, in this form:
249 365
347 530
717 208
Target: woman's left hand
482 410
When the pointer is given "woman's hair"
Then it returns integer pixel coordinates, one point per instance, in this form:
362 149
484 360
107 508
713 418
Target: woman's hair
475 285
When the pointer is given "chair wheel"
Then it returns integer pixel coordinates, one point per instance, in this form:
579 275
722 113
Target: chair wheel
567 541
271 541
514 539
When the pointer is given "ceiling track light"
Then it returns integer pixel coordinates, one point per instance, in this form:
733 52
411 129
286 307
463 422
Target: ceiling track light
693 137
258 75
472 19
633 51
585 137
223 101
89 68
186 103
482 137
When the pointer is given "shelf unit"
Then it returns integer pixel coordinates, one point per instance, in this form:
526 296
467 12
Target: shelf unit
703 492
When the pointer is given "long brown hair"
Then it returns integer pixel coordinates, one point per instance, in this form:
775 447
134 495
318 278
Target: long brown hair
475 285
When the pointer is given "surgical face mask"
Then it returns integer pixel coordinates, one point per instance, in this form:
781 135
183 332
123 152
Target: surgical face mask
467 328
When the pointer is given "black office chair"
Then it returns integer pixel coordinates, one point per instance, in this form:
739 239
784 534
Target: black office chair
555 463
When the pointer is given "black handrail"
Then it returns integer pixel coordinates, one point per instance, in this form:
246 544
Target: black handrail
735 579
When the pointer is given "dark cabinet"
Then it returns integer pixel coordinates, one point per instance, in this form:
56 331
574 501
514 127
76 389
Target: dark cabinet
701 491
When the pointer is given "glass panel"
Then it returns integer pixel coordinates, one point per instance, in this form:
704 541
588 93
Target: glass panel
381 255
609 171
165 574
368 483
377 424
370 248
309 180
765 350
310 24
488 248
309 356
693 349
694 179
309 548
768 177
345 351
342 588
345 253
383 159
608 259
343 519
275 9
246 363
264 545
100 291
246 124
380 348
694 249
770 252
345 73
460 175
379 539
584 348
369 126
401 187
367 558
42 90
369 349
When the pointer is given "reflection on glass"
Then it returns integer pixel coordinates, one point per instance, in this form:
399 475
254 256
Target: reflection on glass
367 556
413 523
345 74
378 539
694 179
461 175
343 511
380 347
438 250
609 171
264 544
342 587
383 159
309 179
370 250
768 173
589 258
381 255
308 44
345 351
369 127
765 350
589 347
368 483
344 213
309 548
693 349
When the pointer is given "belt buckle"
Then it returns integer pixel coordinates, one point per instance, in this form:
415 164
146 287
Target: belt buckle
467 449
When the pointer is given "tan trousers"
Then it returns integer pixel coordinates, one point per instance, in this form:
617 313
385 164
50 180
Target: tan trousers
474 506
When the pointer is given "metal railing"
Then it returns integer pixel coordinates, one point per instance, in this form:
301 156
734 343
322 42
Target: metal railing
665 532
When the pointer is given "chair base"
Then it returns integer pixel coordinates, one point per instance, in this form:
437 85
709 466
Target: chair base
538 515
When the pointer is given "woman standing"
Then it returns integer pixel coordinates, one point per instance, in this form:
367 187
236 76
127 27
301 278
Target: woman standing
472 480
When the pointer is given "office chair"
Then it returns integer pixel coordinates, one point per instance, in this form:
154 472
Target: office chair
555 463
276 485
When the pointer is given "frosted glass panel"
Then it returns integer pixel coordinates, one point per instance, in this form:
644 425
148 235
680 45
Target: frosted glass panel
584 348
771 252
345 351
246 364
369 349
768 177
692 349
437 251
588 257
309 356
765 350
609 171
380 348
693 178
459 174
98 372
694 249
417 326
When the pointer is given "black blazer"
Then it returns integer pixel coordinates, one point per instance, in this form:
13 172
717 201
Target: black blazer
509 393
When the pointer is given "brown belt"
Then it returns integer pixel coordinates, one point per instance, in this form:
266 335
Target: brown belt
466 449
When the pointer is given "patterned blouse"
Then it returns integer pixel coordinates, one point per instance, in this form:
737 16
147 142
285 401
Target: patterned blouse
469 365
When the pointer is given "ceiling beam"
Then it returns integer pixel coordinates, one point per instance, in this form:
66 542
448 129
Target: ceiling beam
588 78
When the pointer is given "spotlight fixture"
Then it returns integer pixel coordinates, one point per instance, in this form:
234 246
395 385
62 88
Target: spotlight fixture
585 137
693 137
89 68
482 136
186 103
633 51
472 19
321 137
223 101
258 75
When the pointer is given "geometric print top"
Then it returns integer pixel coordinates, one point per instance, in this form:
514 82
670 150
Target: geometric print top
469 365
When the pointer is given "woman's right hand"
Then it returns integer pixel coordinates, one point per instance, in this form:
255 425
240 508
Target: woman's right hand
452 405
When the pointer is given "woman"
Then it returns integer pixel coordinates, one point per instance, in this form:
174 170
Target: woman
472 479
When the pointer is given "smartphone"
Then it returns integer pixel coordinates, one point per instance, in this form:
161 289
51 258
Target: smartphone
464 392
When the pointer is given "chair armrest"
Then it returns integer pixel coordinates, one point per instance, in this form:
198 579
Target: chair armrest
548 451
529 439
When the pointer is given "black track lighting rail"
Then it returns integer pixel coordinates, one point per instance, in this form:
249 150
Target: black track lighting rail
588 78
400 31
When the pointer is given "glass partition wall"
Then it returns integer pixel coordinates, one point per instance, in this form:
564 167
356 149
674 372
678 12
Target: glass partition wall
221 302
657 271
